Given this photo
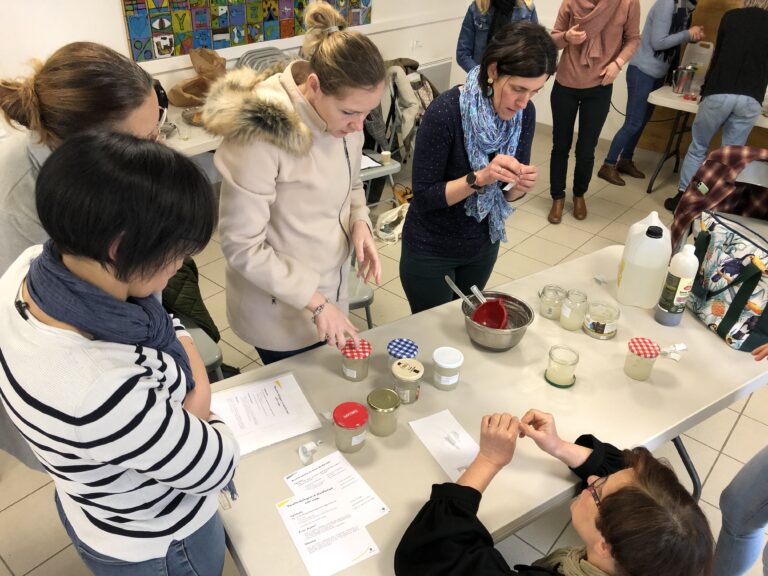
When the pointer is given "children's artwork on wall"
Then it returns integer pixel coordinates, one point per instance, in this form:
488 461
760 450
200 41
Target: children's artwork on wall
165 28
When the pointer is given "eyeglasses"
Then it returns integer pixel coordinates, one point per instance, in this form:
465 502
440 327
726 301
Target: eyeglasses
593 489
162 117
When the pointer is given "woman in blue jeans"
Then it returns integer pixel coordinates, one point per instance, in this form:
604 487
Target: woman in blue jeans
483 19
744 505
733 89
663 34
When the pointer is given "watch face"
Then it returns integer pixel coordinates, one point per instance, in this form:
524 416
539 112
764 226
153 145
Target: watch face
471 179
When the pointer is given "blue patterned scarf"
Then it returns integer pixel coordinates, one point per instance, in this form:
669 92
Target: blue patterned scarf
64 296
484 134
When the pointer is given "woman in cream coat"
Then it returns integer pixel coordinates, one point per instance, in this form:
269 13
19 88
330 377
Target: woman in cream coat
292 203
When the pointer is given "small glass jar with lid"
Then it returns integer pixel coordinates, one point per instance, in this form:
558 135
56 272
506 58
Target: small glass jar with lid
573 310
355 359
550 301
448 362
401 348
602 320
641 355
382 411
406 377
350 421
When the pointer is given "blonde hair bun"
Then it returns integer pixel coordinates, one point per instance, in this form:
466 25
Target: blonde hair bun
320 20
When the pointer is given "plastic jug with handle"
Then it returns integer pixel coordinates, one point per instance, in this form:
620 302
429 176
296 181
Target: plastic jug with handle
644 262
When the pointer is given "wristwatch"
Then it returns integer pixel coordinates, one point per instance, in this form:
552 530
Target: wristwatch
472 181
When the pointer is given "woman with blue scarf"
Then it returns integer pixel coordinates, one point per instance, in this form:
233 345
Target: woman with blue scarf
471 160
105 387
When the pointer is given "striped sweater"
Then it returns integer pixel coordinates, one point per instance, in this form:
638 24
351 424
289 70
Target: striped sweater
132 468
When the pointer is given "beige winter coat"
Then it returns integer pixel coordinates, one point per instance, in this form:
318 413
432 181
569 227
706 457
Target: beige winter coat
289 197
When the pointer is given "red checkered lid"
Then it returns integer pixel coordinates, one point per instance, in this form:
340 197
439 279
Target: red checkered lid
644 347
362 351
350 415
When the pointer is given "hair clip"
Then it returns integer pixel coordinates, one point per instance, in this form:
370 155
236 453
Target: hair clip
331 29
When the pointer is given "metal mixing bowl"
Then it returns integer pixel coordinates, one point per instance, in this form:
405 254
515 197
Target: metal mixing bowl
520 317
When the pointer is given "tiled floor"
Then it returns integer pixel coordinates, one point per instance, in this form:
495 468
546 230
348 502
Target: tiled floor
32 540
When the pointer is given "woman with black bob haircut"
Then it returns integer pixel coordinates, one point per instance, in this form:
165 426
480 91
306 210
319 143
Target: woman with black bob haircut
100 381
472 157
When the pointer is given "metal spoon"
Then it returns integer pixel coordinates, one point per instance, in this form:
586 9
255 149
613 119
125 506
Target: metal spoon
459 293
478 294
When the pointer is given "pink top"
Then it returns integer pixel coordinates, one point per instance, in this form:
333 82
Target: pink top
613 33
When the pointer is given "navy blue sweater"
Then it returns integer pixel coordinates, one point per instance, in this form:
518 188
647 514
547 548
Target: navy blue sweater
432 227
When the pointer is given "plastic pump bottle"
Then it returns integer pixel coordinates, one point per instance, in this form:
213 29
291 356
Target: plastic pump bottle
644 263
677 287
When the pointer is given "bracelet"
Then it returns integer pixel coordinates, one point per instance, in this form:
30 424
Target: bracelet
317 311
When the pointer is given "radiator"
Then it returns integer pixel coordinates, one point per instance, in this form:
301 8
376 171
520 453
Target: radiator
438 72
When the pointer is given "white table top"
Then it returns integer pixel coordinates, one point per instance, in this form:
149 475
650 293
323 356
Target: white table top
604 401
664 96
194 140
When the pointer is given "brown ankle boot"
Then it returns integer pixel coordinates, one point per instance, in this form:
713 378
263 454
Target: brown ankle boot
628 167
579 208
556 212
611 174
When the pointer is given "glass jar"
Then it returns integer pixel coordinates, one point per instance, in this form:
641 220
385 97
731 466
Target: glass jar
573 310
641 355
355 360
561 369
550 301
401 348
448 362
382 411
602 319
406 376
350 426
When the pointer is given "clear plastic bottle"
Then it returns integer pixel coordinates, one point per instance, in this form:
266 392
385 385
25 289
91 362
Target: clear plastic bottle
677 287
643 266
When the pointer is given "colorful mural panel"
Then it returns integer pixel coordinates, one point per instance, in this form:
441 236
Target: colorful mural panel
165 28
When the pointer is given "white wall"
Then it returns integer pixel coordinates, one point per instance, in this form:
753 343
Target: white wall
425 30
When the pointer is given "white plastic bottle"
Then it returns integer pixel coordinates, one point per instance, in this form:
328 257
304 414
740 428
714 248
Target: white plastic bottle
677 287
643 266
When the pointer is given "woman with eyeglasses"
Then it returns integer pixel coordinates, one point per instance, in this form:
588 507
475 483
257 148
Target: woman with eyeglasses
82 86
633 515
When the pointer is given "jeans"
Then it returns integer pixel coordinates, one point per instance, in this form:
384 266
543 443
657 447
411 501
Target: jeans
423 276
199 554
592 105
734 112
639 86
270 356
744 505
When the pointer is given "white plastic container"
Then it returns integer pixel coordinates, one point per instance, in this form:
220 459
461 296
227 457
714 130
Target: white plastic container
643 266
677 287
448 362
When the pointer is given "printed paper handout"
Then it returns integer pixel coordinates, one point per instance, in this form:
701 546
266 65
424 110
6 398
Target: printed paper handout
265 412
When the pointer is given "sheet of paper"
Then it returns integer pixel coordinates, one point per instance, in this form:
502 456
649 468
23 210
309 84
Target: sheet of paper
265 412
335 470
451 445
368 162
325 531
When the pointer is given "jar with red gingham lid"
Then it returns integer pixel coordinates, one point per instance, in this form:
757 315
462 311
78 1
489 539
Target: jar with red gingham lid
350 426
355 359
641 355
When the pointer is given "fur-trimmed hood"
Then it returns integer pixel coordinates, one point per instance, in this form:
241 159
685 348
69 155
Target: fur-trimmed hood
246 105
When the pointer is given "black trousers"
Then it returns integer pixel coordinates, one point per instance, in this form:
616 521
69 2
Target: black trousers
591 105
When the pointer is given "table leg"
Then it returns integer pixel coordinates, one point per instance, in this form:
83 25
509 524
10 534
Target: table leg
679 127
678 442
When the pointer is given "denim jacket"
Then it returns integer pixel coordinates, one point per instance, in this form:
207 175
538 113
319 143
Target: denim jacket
473 37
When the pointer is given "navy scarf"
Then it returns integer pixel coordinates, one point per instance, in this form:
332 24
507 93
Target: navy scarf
67 298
